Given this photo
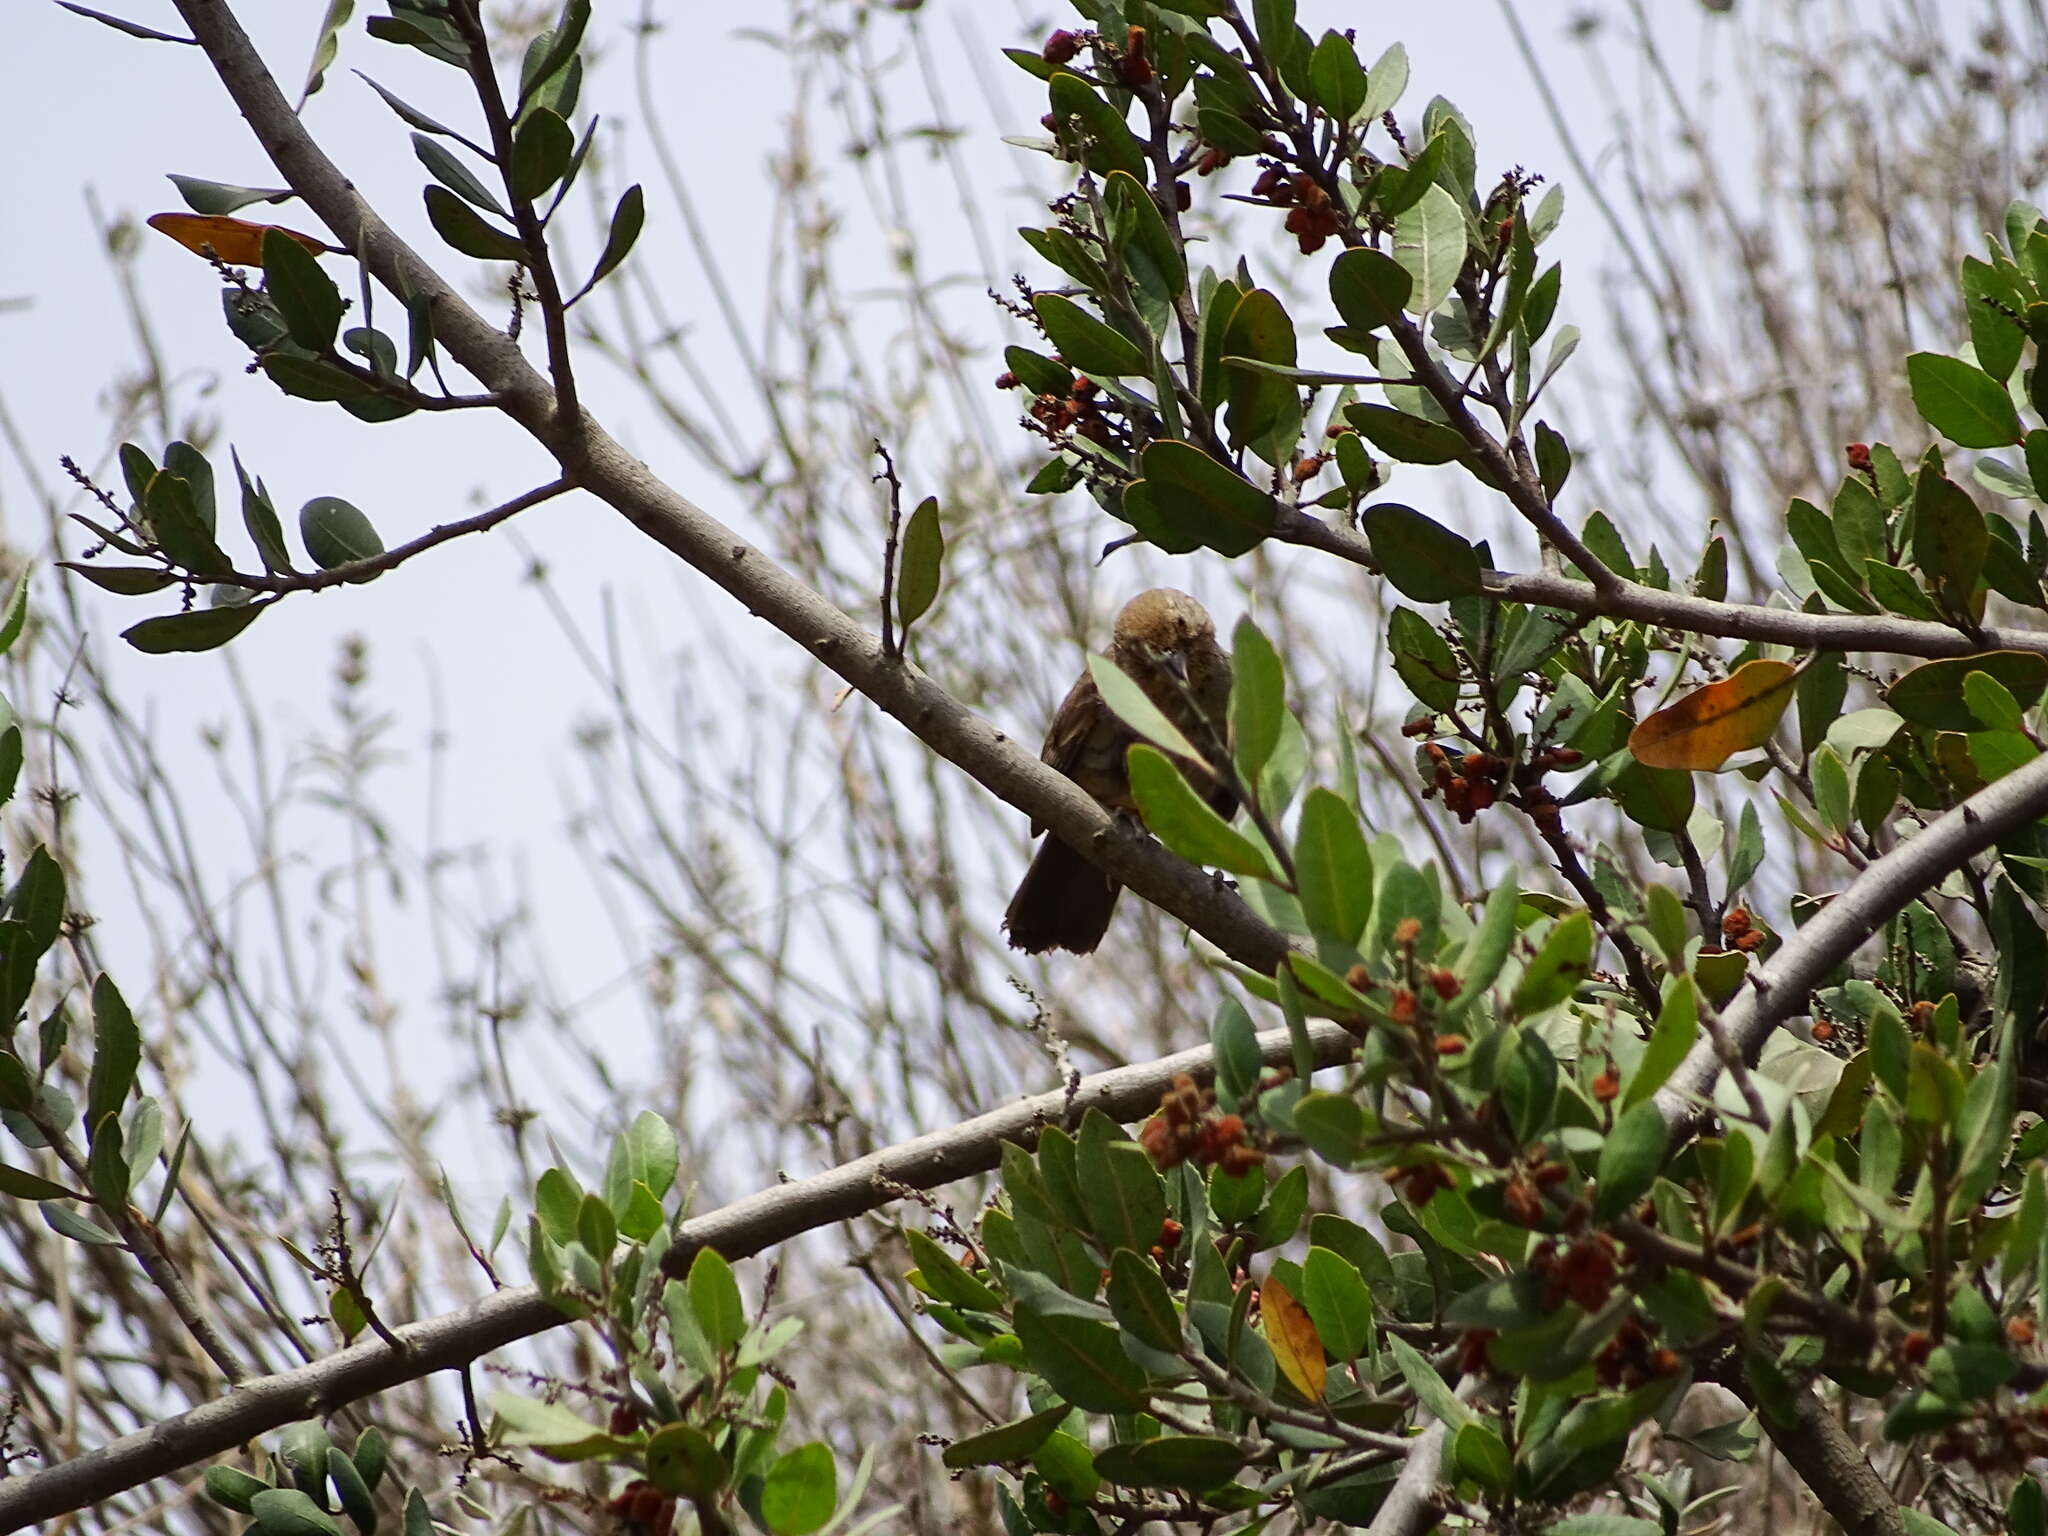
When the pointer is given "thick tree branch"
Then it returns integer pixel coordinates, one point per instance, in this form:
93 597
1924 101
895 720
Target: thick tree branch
738 1230
594 461
1782 987
1832 1465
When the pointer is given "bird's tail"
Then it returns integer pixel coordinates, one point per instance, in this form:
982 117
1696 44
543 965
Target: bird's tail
1064 902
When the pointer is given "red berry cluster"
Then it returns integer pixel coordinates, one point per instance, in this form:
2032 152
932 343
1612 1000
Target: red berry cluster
641 1509
1080 412
1418 1183
1740 931
1582 1270
1469 784
1188 1129
1629 1361
1311 217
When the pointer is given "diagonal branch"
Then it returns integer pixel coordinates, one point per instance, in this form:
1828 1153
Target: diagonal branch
597 463
736 1231
1782 987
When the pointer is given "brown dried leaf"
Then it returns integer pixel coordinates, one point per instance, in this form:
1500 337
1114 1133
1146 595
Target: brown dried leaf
237 242
1291 1334
1711 724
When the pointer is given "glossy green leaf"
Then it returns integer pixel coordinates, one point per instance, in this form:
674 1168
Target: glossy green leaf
1931 694
1429 243
1210 501
335 533
202 629
1084 342
1333 869
1369 288
1184 821
465 231
1422 558
1961 402
1629 1159
923 553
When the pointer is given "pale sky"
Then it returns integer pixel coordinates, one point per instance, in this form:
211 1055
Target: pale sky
457 630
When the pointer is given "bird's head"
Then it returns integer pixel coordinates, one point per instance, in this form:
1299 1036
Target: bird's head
1165 627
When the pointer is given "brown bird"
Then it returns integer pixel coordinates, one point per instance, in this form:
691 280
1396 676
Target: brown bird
1164 640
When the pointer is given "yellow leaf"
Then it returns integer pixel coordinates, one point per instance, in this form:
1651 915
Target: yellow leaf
1293 1338
235 241
1710 725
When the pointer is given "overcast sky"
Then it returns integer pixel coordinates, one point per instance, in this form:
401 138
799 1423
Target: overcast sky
459 632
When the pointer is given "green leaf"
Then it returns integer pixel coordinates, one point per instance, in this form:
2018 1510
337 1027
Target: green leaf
1932 694
1950 539
1528 1084
326 44
1963 403
1211 502
540 153
222 197
200 630
121 580
1093 129
552 52
443 166
1422 558
801 1490
917 572
1258 699
1084 342
305 296
1006 1443
335 533
1411 439
288 1512
627 219
1422 659
172 512
1478 1452
465 231
1120 1189
1082 1360
1129 702
1333 869
1678 1024
1339 79
1565 960
306 378
1479 965
715 1300
1629 1159
1190 1463
1369 288
1184 821
116 1053
1264 410
1338 1302
681 1460
1150 242
1429 243
1141 1302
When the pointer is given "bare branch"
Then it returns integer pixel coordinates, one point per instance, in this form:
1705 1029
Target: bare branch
736 1231
599 464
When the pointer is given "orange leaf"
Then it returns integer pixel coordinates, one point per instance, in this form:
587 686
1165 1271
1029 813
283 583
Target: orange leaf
235 241
1710 725
1296 1345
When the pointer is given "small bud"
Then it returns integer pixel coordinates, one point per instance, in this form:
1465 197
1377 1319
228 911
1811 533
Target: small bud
1006 381
1606 1086
1451 1045
1407 931
1859 457
1445 983
1060 47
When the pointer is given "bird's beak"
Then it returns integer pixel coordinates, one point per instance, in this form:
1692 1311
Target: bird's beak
1176 662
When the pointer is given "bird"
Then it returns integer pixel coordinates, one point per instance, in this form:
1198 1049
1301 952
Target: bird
1166 642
